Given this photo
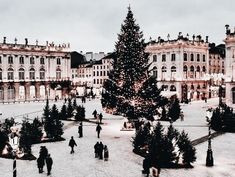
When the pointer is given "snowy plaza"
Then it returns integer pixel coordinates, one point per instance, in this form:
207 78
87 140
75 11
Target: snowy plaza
122 162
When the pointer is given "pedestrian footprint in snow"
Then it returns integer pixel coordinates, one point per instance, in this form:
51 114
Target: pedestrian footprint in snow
98 129
72 143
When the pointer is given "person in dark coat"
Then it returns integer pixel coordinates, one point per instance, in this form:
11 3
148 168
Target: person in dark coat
72 143
49 163
106 153
40 162
101 148
98 129
96 147
101 117
43 152
94 113
146 166
80 130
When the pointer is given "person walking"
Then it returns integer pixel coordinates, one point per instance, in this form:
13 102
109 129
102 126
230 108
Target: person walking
72 143
101 117
96 147
49 163
101 148
106 153
98 129
80 130
40 162
94 113
146 166
43 152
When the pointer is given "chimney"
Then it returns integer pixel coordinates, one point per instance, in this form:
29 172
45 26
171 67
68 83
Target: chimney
26 41
206 39
4 40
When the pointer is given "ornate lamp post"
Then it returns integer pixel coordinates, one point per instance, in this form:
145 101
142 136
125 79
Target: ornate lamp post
209 156
14 141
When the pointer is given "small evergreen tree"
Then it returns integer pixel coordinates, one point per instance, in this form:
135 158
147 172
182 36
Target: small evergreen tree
74 104
70 108
3 140
63 112
56 129
46 111
80 115
25 142
186 149
36 130
142 137
174 109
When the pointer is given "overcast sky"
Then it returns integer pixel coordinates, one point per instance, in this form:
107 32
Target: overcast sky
93 25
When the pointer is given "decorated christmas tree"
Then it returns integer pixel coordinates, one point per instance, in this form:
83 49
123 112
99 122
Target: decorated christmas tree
130 90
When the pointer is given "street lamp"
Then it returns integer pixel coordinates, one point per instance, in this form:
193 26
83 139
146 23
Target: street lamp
14 141
209 156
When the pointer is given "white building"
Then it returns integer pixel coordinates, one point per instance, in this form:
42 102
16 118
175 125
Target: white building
230 66
33 72
180 66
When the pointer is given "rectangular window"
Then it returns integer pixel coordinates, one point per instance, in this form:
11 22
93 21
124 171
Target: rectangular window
93 73
0 59
101 81
21 60
204 58
100 67
1 75
94 81
31 60
163 57
100 73
173 57
104 73
154 58
97 81
97 73
42 61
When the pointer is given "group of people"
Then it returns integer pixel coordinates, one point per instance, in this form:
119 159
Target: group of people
97 116
101 149
44 157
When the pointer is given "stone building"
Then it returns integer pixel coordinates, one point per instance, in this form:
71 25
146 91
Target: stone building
33 72
180 66
230 66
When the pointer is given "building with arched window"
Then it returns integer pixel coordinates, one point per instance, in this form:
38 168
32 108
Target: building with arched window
30 72
230 67
182 66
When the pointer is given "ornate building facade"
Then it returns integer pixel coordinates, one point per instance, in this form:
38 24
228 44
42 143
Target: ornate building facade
230 66
180 66
33 72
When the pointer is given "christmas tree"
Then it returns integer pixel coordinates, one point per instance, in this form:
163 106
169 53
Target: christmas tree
70 108
130 90
80 115
63 112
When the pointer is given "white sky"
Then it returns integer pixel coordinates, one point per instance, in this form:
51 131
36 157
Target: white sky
93 25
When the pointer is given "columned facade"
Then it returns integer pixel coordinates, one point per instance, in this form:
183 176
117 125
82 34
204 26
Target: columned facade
180 66
33 72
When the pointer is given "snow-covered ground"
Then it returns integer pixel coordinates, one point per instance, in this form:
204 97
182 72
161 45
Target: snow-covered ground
122 162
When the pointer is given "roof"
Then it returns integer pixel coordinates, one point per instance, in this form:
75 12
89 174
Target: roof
219 49
76 59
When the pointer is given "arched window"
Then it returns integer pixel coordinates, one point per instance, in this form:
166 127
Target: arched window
191 68
10 74
10 60
198 57
185 57
198 68
173 72
172 88
32 73
203 69
31 61
154 58
155 71
185 70
163 72
42 62
11 92
233 94
58 73
0 73
192 57
58 61
42 73
21 74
